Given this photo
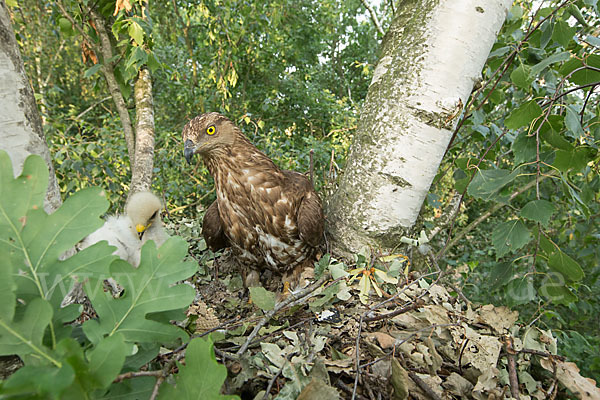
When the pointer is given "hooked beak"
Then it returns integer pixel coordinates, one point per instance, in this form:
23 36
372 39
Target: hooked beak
188 150
141 229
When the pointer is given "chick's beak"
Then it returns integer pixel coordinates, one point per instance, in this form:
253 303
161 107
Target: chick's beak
141 229
189 150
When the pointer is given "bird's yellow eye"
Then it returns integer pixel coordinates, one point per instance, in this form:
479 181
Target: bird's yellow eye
210 130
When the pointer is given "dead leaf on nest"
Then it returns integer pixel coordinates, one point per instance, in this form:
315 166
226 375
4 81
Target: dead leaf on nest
399 380
339 366
499 318
486 383
436 315
434 383
480 351
458 386
568 375
385 341
318 390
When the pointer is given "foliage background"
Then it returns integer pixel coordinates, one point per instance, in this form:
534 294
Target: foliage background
293 75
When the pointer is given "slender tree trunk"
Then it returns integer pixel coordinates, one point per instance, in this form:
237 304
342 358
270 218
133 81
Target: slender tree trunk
141 170
21 131
432 55
113 85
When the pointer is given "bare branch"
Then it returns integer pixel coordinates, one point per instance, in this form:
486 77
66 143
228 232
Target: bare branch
292 300
373 17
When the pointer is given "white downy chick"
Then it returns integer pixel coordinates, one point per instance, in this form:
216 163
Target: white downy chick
118 231
144 210
130 231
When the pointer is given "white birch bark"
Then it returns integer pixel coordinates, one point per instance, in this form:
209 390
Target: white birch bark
21 131
431 57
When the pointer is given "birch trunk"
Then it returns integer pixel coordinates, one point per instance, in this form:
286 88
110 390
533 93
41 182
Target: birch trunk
431 57
141 169
21 131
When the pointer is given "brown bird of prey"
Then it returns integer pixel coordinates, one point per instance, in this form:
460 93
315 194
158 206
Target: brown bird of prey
272 218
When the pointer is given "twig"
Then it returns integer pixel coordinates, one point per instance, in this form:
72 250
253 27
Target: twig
163 375
542 354
512 367
357 357
400 343
448 215
362 318
272 381
90 108
373 17
399 311
312 167
582 112
348 389
423 386
460 294
293 298
485 215
129 375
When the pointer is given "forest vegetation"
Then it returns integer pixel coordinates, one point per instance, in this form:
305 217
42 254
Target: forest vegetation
515 205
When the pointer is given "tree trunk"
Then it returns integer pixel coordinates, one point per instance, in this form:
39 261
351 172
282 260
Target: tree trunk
431 56
111 81
21 131
141 170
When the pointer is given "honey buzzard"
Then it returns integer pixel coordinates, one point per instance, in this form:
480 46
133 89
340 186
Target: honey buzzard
272 218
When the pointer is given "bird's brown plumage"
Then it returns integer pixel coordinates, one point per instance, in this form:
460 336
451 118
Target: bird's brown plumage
272 218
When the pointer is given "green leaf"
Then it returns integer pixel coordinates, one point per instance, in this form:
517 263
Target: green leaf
500 275
45 238
539 211
553 59
137 57
151 288
65 26
524 115
521 77
510 236
576 158
557 292
337 270
565 265
547 28
200 361
573 124
524 148
321 265
138 388
520 291
593 40
153 62
107 359
585 75
546 245
21 195
24 336
92 70
551 132
136 33
563 33
488 182
32 381
264 299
